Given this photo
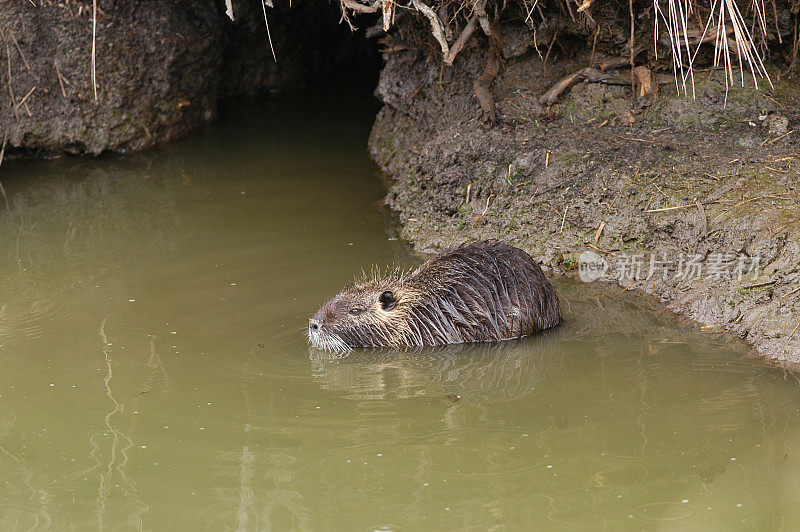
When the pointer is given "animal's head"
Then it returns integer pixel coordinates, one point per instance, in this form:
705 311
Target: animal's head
363 315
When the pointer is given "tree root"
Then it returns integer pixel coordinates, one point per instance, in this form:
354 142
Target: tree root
645 86
588 74
482 90
593 75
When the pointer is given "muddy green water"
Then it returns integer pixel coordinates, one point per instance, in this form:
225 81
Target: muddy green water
154 372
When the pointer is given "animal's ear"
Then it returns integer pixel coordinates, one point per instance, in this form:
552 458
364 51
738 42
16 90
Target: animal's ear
388 302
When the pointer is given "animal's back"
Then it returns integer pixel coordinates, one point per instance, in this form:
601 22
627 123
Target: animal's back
484 291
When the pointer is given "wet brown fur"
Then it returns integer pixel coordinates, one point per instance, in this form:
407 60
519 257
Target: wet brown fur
478 292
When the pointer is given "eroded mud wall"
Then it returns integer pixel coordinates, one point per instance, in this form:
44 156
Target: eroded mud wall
160 67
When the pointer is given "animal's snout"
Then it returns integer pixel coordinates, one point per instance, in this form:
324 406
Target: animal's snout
314 324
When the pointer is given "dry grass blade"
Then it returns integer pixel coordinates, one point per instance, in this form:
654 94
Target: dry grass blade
94 48
269 36
675 21
11 82
24 98
725 19
2 189
729 20
21 54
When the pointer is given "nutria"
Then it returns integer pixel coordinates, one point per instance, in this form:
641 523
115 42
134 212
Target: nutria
478 292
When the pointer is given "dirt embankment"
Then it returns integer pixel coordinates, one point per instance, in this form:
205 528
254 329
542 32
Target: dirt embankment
693 201
160 67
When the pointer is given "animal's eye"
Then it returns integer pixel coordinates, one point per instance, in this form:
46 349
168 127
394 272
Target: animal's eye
355 311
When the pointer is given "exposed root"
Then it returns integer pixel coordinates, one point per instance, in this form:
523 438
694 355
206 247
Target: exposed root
436 25
482 84
645 86
466 33
738 44
588 74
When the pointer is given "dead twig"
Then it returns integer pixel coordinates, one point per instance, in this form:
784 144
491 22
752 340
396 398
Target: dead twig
567 181
10 82
686 206
790 337
361 8
601 250
624 289
776 139
485 210
2 189
549 48
759 198
757 285
22 101
22 55
790 293
599 231
61 79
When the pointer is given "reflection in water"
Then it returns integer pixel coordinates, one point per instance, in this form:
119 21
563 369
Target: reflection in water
201 408
117 454
479 373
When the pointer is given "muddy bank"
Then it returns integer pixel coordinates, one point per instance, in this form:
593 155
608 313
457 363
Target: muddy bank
161 67
693 201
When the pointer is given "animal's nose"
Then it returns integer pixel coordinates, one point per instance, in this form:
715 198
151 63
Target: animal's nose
314 324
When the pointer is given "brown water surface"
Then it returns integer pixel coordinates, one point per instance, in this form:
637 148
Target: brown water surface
154 372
